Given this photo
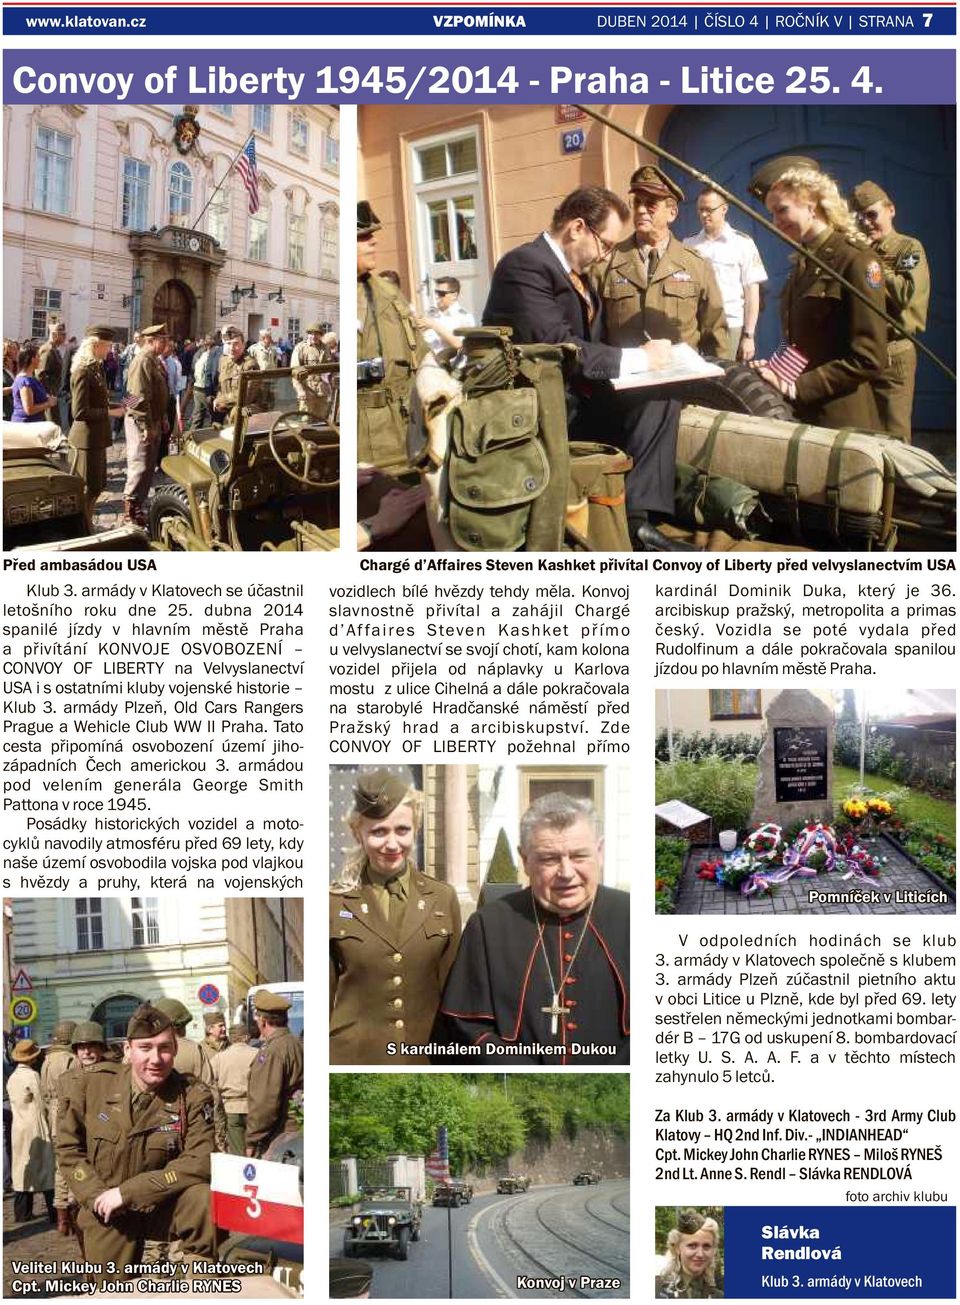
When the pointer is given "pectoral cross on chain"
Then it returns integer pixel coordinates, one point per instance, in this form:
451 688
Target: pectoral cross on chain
556 1011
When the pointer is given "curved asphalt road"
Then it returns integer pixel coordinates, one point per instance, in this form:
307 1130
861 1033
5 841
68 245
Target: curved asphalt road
548 1234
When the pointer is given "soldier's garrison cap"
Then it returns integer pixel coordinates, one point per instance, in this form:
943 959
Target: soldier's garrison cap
150 331
101 333
367 220
349 1278
269 1003
648 179
211 1017
147 1021
770 172
232 333
62 1034
174 1010
88 1031
867 193
378 792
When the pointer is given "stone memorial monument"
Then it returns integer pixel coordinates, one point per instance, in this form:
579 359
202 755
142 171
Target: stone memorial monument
795 765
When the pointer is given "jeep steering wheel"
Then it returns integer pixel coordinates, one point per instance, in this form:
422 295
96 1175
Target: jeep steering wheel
288 424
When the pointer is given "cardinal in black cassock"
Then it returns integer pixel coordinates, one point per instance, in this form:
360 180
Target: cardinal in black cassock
500 993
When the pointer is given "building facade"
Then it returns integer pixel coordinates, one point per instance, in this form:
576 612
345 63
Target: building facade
100 957
116 214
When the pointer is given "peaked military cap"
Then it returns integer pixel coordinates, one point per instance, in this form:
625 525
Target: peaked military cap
175 1011
150 331
867 193
211 1017
88 1031
270 1003
367 220
101 333
63 1033
770 172
648 179
147 1021
379 792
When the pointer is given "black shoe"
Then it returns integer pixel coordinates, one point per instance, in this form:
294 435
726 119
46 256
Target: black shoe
648 539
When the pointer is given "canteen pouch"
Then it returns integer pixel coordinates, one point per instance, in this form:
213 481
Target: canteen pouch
497 469
596 501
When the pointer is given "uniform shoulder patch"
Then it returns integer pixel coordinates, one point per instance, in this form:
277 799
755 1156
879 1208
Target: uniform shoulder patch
874 274
79 1174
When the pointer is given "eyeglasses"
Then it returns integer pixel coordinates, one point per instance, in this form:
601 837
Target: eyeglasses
868 215
440 294
702 212
605 246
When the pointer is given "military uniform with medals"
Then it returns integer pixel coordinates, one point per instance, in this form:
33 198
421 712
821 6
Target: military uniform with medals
386 976
226 402
154 1145
149 390
679 301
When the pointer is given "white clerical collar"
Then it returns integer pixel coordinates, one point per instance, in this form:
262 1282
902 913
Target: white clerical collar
558 253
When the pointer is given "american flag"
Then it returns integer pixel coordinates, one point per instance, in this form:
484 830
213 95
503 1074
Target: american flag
247 167
787 363
438 1164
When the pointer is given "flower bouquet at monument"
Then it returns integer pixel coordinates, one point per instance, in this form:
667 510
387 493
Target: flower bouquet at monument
880 811
855 809
854 860
738 868
765 843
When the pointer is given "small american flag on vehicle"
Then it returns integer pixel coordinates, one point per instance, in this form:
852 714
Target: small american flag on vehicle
247 167
438 1164
788 362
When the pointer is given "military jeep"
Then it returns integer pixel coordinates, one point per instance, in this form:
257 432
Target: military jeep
586 1176
388 1218
269 482
455 1193
511 1183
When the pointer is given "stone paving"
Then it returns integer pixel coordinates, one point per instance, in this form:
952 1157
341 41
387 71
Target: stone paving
890 893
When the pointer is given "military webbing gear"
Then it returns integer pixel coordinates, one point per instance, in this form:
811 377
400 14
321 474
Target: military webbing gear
711 502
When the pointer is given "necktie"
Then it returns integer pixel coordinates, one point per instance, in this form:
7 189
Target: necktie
581 289
653 258
140 1103
397 904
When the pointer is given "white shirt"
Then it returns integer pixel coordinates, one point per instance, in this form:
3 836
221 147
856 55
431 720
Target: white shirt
737 264
452 317
632 361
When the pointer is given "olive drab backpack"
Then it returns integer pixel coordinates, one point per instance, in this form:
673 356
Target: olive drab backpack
500 471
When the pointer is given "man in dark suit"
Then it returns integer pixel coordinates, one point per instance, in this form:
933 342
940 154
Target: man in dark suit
540 290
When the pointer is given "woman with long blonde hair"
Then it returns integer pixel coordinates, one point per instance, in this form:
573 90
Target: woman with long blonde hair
91 433
842 339
394 932
689 1269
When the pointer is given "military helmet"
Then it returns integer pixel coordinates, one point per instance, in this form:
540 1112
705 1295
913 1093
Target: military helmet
769 173
88 1031
175 1011
62 1035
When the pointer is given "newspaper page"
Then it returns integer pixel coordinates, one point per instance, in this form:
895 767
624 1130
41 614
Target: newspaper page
466 742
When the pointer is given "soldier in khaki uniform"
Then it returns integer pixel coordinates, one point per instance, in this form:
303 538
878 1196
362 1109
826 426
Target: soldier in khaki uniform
231 1075
146 419
50 361
59 1060
134 1143
276 1073
906 277
389 347
89 1048
215 1032
91 433
393 932
310 352
652 286
264 352
232 366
